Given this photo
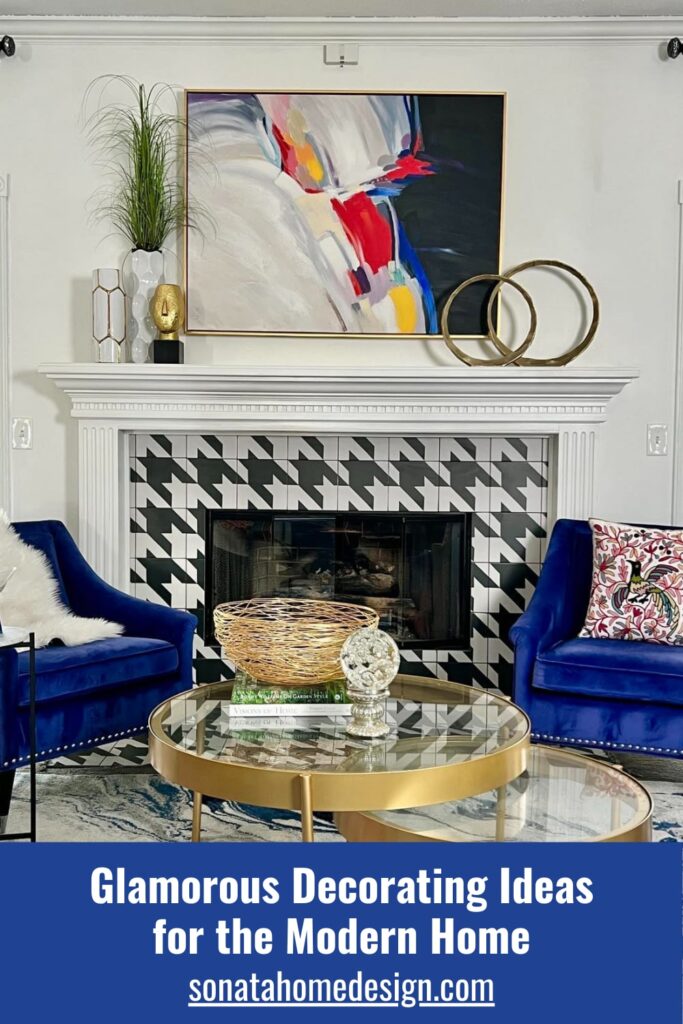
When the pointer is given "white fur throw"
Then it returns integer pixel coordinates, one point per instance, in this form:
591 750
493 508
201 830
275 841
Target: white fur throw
31 598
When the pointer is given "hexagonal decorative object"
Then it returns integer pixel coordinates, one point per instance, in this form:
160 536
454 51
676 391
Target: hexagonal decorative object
145 273
108 314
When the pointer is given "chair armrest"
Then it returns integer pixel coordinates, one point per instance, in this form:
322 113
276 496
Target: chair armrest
142 618
90 595
535 625
9 699
137 616
558 607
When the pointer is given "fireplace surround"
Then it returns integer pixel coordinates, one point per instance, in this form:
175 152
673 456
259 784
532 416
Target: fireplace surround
515 447
500 484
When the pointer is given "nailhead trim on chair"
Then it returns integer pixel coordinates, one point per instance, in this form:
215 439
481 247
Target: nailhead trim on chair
570 740
600 743
80 746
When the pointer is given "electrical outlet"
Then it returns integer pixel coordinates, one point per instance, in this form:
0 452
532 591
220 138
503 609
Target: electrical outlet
657 439
22 432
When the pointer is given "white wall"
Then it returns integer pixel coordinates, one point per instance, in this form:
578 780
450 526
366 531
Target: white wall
595 151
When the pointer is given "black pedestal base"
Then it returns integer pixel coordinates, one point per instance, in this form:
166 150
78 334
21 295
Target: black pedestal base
167 351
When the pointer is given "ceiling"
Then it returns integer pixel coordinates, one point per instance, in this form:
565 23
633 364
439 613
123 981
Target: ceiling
352 8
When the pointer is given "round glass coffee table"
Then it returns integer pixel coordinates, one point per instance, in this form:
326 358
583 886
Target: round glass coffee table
560 797
448 741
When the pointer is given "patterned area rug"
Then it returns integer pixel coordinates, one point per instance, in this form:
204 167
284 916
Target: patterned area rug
135 805
103 805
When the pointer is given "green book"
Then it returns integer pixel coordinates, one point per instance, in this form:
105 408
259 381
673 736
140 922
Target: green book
248 691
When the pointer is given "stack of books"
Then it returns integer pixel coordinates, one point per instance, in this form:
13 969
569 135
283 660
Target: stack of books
251 699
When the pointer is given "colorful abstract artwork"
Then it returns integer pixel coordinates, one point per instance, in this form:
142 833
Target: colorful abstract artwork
340 213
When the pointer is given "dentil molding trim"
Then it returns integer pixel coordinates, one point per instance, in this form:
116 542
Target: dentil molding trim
180 396
409 30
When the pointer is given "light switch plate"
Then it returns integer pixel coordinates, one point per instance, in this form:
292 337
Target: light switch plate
22 432
657 439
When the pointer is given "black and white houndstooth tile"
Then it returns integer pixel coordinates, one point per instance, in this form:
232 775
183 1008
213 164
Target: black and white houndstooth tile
503 482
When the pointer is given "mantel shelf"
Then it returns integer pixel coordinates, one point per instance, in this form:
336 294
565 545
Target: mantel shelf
505 375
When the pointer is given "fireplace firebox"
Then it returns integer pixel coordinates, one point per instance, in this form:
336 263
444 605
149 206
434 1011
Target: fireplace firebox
412 568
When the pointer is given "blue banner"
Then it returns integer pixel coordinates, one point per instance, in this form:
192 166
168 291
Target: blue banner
559 933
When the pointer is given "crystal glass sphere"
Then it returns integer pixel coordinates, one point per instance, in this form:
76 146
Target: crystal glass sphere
370 660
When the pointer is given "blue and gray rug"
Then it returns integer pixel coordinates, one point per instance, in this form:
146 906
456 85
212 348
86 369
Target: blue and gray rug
103 805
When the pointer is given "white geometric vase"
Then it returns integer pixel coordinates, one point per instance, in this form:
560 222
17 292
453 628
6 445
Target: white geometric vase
108 314
146 272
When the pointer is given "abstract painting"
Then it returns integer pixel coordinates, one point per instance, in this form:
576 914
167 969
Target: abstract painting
341 213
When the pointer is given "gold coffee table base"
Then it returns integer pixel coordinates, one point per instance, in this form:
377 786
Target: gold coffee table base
307 834
196 817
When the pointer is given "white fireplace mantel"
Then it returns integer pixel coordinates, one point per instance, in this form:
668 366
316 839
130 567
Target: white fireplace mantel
113 402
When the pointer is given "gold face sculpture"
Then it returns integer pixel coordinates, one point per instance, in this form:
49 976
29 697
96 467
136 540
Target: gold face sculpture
168 311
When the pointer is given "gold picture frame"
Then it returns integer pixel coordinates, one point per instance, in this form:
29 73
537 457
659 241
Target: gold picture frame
202 330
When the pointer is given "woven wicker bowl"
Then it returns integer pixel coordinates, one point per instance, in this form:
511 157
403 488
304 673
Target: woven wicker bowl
288 641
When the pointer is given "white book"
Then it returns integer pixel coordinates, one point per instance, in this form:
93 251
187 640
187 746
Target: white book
292 711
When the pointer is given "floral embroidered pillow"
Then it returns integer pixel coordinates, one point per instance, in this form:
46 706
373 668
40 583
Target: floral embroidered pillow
637 590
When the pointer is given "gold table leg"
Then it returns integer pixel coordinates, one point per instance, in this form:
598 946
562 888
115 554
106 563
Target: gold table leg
196 817
500 814
306 810
197 799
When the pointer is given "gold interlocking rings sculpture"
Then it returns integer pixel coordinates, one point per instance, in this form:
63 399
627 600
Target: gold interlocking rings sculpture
509 356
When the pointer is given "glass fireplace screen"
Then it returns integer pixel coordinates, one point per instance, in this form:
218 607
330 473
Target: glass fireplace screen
412 568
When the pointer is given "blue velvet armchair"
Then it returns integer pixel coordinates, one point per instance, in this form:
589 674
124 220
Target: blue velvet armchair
618 694
97 692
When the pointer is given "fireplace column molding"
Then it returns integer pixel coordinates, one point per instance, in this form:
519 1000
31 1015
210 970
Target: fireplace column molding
103 452
111 403
575 472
